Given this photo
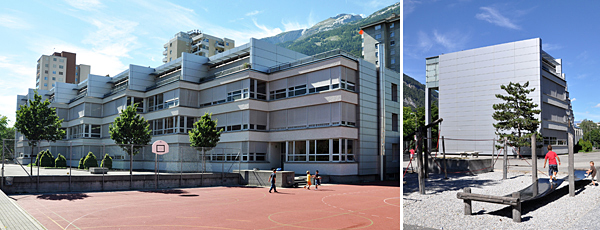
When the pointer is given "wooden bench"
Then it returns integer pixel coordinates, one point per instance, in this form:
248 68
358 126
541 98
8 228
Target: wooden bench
98 170
514 201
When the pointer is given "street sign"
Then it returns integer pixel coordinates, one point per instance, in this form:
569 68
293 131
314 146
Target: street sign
160 147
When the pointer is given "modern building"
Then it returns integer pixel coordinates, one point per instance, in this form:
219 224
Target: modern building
467 82
278 108
59 67
195 42
386 31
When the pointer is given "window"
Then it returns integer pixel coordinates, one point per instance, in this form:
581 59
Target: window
61 67
377 27
297 90
52 84
170 59
53 78
46 71
392 34
46 84
377 46
227 43
392 43
46 65
171 45
206 40
393 52
62 60
60 73
54 66
45 78
54 59
394 122
394 92
53 72
392 25
378 36
393 61
376 62
171 52
376 54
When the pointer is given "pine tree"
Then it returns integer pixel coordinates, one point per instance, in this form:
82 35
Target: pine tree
515 117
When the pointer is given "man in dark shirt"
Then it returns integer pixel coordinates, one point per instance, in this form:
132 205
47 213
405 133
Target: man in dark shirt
272 180
592 172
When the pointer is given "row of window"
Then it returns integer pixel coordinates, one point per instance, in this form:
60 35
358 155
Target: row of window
378 27
84 131
329 150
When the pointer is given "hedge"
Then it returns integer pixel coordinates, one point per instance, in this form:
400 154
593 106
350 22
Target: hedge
90 161
106 162
60 161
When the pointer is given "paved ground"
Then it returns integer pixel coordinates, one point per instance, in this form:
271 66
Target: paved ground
369 206
12 216
17 170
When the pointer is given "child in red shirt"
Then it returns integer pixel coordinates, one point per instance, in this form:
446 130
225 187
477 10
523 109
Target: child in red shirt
551 157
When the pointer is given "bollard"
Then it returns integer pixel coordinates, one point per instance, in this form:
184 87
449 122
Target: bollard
516 209
468 209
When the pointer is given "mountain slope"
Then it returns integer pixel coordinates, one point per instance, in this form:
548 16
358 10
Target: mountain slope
414 93
325 25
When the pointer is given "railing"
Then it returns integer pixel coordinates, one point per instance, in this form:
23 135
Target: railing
166 80
313 58
79 96
117 89
225 72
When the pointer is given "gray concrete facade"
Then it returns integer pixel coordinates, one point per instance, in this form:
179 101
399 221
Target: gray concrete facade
469 80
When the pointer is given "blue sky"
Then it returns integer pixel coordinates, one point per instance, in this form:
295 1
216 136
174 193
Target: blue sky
110 35
568 29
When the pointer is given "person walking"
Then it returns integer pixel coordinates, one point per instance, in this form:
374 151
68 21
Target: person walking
272 180
308 180
551 157
317 180
592 172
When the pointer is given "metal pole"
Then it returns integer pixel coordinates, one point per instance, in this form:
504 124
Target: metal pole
493 152
570 144
534 176
103 153
382 107
426 156
202 162
70 162
131 168
445 160
505 166
37 185
2 181
155 168
420 164
180 167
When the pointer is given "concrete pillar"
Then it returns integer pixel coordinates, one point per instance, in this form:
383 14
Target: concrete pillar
428 115
571 165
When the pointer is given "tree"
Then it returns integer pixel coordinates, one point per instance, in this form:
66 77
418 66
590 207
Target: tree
593 136
587 126
37 121
6 133
515 117
130 129
90 161
106 162
408 121
205 133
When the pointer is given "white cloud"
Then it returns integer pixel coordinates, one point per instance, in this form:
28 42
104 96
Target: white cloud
265 31
17 77
424 42
254 13
572 100
452 41
492 15
295 25
113 37
87 5
13 22
597 106
551 46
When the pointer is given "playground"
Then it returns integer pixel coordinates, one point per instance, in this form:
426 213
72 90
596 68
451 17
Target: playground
361 206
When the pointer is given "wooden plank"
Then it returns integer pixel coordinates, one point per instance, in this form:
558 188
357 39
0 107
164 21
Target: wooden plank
488 198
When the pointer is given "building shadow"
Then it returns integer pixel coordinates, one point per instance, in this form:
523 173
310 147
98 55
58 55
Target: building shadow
67 196
166 191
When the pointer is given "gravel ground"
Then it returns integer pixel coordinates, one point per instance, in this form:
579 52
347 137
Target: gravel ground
440 209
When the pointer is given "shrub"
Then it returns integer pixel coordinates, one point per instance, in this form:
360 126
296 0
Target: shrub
81 164
60 161
106 162
90 161
46 159
586 146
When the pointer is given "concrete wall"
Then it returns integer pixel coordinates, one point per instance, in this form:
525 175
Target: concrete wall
261 178
325 168
264 55
56 184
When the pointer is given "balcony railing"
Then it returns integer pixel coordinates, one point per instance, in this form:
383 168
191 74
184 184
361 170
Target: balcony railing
313 58
117 89
79 96
226 72
173 77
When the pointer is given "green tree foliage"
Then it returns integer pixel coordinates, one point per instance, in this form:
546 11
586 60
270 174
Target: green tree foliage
106 162
205 133
593 136
60 161
81 166
409 121
414 93
515 117
587 126
37 121
586 146
44 159
90 161
6 133
130 128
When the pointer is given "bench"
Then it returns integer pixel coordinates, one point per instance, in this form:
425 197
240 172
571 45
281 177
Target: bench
514 201
98 170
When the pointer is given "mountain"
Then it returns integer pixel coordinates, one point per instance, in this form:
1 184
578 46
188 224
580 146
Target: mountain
414 93
339 32
327 24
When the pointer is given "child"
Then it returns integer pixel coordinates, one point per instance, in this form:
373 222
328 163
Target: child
317 180
592 172
308 183
551 158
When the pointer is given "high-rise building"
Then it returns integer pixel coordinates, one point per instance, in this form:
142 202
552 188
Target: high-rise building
278 109
59 67
195 42
467 82
387 32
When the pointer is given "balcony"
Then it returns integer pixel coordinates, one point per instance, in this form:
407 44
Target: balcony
116 89
165 52
173 77
225 72
220 44
164 59
316 57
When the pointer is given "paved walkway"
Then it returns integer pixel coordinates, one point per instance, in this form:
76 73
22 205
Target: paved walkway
12 216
